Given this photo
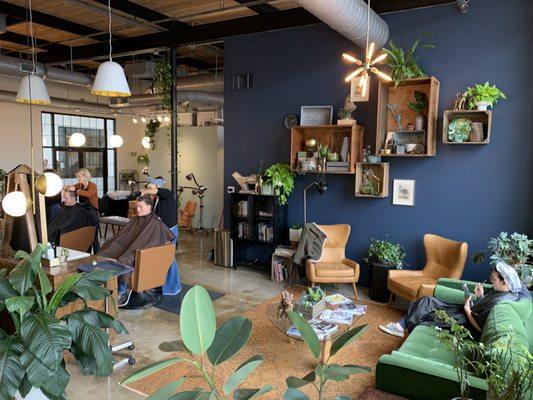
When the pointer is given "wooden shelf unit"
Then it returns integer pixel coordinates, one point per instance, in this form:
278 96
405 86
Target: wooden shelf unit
485 117
331 135
402 95
381 170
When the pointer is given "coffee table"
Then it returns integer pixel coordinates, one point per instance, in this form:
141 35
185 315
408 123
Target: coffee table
283 324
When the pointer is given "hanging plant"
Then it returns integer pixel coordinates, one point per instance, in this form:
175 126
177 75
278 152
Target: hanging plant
282 179
143 159
163 82
150 130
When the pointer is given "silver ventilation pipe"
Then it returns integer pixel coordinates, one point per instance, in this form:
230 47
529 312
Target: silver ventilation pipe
202 82
204 98
349 18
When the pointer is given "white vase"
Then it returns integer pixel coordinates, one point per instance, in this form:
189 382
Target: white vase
419 122
35 394
295 234
482 105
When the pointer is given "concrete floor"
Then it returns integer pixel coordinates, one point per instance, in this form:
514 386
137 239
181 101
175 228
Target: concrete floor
244 288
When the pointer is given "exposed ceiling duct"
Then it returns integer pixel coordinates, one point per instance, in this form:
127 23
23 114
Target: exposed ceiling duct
193 96
349 18
204 82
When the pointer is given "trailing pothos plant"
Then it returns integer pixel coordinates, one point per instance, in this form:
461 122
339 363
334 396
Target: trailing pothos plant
282 179
150 130
324 371
31 356
163 82
205 348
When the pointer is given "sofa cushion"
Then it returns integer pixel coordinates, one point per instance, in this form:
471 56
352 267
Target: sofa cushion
409 285
333 269
502 317
424 343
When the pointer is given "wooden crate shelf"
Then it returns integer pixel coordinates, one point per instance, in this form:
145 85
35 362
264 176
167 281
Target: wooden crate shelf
333 136
381 170
485 117
402 95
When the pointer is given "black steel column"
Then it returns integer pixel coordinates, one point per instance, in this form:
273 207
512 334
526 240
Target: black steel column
174 126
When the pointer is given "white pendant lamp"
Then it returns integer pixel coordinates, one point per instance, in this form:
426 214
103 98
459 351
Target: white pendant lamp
48 184
146 142
110 80
32 89
116 141
77 139
15 204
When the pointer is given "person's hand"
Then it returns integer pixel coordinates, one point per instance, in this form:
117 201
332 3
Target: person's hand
478 290
468 304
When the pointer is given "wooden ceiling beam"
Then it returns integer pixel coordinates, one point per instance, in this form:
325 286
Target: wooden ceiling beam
260 9
388 6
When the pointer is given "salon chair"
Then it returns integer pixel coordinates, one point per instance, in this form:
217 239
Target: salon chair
151 267
80 239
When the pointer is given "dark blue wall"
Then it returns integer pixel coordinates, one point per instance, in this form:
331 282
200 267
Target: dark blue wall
468 193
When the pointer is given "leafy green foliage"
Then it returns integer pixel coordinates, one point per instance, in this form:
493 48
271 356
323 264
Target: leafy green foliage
421 103
324 371
483 93
404 64
32 356
459 129
282 179
163 82
344 113
386 252
203 342
150 130
143 159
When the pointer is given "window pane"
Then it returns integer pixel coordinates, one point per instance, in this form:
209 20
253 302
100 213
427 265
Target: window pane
47 158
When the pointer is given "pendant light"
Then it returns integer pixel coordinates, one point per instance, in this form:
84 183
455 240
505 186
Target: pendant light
115 141
146 142
367 66
48 184
110 80
32 88
15 204
77 139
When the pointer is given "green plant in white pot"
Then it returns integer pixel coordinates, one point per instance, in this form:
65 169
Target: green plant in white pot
31 356
282 179
482 96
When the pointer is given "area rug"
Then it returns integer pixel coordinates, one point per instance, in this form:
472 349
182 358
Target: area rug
284 358
173 303
374 394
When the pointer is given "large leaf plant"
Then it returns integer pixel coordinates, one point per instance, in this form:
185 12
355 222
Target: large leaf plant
32 354
206 347
404 64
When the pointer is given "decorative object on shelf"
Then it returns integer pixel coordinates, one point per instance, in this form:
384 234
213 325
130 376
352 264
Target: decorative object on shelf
344 117
295 232
323 151
286 304
409 147
282 179
460 101
420 108
404 64
476 134
290 120
321 186
482 96
403 192
395 110
372 180
333 156
110 79
370 184
371 158
367 66
459 130
311 143
163 82
316 115
479 129
248 184
311 303
385 252
356 90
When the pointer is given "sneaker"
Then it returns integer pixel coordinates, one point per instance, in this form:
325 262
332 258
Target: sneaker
392 328
124 298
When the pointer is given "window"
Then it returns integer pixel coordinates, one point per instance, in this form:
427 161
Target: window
96 155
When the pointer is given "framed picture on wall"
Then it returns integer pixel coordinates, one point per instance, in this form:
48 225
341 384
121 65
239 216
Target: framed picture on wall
403 192
356 90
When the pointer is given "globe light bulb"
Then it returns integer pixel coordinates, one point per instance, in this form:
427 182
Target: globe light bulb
116 141
146 142
134 120
49 184
15 204
160 118
77 139
143 120
167 118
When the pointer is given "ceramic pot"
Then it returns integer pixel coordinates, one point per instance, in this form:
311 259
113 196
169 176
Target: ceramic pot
321 161
333 156
295 234
346 121
419 122
481 105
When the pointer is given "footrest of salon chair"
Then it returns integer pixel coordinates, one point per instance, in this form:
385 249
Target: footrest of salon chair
141 300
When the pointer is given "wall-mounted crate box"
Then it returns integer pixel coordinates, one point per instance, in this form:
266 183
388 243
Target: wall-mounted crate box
401 95
378 177
337 137
483 118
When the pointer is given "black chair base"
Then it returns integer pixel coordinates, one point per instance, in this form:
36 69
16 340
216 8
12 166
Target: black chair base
141 300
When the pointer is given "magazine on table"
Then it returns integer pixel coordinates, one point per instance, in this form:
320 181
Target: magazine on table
321 328
352 308
337 298
337 317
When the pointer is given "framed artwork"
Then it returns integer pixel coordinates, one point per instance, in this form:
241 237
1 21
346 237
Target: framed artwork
355 90
403 192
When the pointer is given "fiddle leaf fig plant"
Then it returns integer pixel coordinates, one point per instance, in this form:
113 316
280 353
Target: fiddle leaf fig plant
31 356
483 93
386 252
205 347
282 179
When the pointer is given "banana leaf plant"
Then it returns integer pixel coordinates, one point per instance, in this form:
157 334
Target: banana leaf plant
32 356
206 347
324 371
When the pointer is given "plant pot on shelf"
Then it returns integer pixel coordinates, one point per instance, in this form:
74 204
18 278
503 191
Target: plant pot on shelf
482 105
346 121
419 122
310 311
295 234
321 164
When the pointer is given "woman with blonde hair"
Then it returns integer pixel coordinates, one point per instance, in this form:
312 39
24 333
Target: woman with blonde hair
88 196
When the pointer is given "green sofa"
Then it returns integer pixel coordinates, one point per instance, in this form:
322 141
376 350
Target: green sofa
422 368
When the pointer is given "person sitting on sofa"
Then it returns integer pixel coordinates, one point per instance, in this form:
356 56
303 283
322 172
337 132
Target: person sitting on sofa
70 217
507 287
144 230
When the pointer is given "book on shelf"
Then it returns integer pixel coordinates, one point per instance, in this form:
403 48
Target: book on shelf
242 230
337 169
337 164
263 213
279 271
351 307
242 208
321 328
265 232
337 317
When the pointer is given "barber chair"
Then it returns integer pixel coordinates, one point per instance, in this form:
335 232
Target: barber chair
80 239
151 267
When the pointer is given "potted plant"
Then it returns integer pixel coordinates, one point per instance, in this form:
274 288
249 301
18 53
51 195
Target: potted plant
420 108
282 179
323 151
383 252
483 96
295 232
345 117
311 303
205 348
32 354
404 64
459 130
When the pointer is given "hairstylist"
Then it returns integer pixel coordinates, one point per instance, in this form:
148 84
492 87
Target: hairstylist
166 207
88 197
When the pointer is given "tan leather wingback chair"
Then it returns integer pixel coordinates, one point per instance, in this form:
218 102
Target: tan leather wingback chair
79 239
333 266
186 215
445 258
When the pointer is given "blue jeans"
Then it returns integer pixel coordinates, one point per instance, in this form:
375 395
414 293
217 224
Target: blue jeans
172 284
